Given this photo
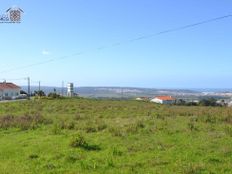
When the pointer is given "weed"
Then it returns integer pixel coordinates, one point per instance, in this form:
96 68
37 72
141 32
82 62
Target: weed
116 131
73 158
228 119
90 128
70 125
214 160
117 152
24 122
50 166
56 128
6 121
134 141
79 141
228 130
110 162
33 156
101 126
192 125
194 169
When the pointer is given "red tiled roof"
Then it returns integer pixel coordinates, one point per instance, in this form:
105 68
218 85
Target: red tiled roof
8 86
165 98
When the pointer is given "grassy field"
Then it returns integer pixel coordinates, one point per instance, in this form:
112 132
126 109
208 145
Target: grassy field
102 136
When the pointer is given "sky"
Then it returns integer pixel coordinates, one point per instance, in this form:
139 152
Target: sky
80 37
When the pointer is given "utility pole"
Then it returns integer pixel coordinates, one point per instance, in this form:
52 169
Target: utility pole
39 85
62 89
29 88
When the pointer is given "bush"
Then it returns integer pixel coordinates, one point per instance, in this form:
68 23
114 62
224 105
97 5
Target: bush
33 156
24 122
56 129
117 152
73 158
79 141
228 130
116 131
39 93
54 95
6 122
208 102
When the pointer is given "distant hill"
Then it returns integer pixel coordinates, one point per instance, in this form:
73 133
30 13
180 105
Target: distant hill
118 92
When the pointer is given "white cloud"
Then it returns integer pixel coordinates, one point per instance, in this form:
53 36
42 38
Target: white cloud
46 52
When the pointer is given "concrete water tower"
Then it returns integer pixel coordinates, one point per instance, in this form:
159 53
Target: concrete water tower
70 90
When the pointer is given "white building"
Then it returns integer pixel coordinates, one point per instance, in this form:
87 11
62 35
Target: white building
230 104
164 100
142 99
70 90
9 90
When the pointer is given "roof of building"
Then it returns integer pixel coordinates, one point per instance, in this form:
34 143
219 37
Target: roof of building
165 98
6 85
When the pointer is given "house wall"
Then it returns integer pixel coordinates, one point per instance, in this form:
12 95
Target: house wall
156 100
168 101
10 92
1 94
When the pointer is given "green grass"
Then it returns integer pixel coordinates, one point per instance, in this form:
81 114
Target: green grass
104 136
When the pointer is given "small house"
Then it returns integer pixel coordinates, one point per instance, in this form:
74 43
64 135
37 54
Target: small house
229 104
164 100
142 99
9 90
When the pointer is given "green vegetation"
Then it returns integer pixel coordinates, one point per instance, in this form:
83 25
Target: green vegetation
203 102
105 136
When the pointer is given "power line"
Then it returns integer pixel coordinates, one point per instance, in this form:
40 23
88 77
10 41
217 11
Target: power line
18 79
124 42
182 27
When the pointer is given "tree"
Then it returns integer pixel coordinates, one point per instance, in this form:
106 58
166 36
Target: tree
23 92
208 102
53 95
39 93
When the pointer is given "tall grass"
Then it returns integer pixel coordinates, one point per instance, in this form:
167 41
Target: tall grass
106 136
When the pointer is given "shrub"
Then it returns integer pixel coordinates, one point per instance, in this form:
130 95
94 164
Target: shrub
33 156
24 122
50 166
228 119
6 121
91 128
54 95
110 162
79 141
117 152
39 93
56 128
192 124
208 102
73 158
194 169
116 131
228 130
101 126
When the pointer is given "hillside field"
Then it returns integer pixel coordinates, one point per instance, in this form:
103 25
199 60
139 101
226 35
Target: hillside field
84 136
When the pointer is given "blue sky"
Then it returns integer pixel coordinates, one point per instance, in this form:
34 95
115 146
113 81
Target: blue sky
198 57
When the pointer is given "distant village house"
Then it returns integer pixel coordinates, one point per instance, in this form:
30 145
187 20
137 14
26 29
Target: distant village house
164 100
9 90
142 99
